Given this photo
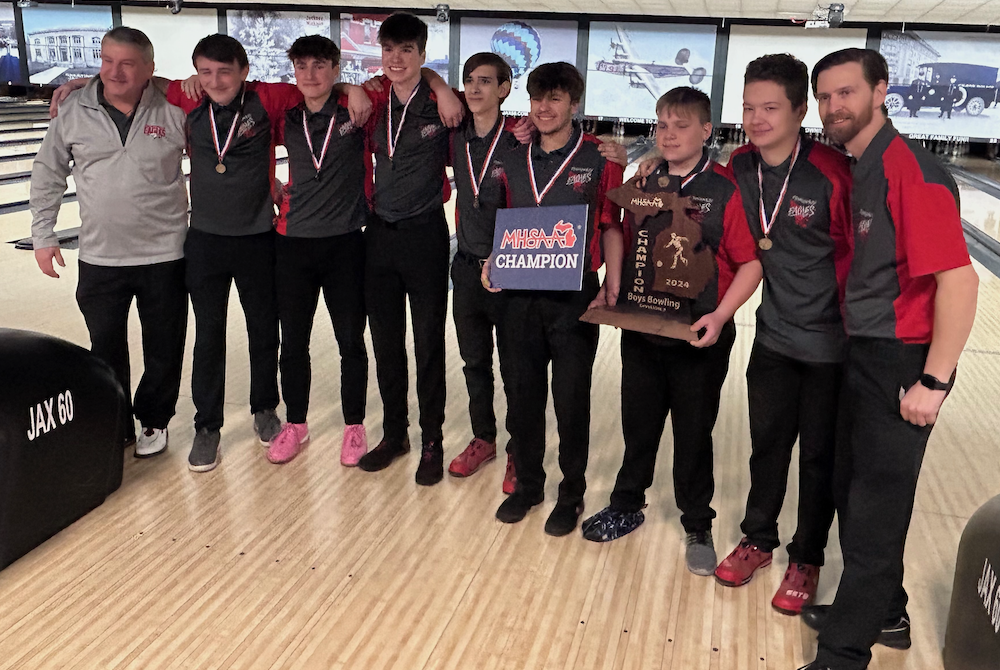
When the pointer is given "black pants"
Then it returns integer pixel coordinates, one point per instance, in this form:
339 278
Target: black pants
542 327
409 260
789 398
878 461
214 263
105 295
477 312
337 266
686 383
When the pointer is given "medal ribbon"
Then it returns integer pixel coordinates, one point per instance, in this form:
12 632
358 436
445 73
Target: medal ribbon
232 129
690 177
766 225
390 140
531 171
326 142
477 185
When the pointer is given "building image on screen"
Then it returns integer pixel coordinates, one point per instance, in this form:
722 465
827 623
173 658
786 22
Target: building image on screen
64 43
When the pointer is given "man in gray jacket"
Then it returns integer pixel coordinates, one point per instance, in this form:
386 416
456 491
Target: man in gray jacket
122 141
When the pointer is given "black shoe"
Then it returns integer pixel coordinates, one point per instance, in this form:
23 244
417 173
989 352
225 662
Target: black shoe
563 519
815 666
431 468
204 454
895 634
383 455
516 506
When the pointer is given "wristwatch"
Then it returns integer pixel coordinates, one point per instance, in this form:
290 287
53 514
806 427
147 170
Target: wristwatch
935 384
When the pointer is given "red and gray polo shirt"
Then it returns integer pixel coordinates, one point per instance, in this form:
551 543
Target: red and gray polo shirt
412 181
237 201
331 200
475 224
907 226
585 181
806 266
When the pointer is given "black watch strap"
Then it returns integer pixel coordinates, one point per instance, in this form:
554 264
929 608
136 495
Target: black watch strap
935 384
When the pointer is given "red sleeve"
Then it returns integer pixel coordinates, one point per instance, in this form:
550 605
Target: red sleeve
176 97
277 99
737 243
925 211
609 215
842 226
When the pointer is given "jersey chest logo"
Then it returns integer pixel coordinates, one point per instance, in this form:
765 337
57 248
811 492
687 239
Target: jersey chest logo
247 124
579 177
863 223
345 128
801 210
430 130
156 132
702 208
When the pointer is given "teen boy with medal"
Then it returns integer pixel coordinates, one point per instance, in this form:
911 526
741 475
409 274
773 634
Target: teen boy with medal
477 146
231 240
564 167
408 245
662 375
320 246
796 194
909 307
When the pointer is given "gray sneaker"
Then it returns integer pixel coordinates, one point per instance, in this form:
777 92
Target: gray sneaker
700 553
267 425
204 454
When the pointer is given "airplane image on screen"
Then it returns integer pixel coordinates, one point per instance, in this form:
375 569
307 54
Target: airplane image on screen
644 74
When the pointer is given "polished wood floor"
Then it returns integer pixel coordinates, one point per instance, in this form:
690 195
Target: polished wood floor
313 565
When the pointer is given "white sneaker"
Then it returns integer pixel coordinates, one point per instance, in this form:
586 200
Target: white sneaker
152 441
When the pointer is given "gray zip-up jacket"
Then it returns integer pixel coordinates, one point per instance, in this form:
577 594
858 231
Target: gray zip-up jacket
133 201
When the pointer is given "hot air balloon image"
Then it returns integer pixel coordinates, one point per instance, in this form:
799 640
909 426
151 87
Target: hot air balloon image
519 45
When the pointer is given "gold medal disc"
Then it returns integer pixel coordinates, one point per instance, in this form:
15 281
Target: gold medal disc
765 243
221 169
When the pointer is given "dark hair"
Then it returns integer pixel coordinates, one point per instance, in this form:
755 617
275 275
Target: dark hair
784 69
403 27
133 37
315 46
873 65
482 58
221 49
560 76
688 99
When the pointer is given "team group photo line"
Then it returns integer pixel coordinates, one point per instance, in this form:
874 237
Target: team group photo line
868 294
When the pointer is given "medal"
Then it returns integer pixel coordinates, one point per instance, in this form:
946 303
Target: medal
317 163
765 242
477 184
390 140
221 152
531 171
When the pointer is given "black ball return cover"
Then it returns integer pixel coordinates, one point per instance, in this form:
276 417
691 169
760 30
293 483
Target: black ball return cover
61 437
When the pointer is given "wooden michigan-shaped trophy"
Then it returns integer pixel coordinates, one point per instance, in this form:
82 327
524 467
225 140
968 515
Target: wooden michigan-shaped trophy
667 265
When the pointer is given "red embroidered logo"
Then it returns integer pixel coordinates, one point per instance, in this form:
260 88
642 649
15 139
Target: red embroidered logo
156 132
